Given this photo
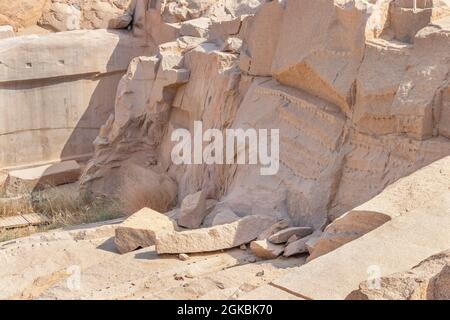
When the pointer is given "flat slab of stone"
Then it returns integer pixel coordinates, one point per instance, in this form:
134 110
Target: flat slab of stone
280 225
266 250
216 238
284 235
44 176
297 247
396 246
140 229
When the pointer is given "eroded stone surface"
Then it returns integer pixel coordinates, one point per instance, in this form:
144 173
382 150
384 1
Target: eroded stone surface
43 177
284 235
140 230
427 281
193 210
265 249
215 238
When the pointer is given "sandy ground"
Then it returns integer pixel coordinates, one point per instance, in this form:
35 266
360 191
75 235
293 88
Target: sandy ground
82 263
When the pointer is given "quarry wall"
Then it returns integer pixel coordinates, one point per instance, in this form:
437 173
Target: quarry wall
56 91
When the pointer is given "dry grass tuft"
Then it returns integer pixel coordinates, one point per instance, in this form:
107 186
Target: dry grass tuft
61 205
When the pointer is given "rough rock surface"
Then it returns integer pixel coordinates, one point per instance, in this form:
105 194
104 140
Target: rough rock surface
358 89
396 200
43 177
193 210
396 246
297 247
280 225
224 216
21 13
6 32
63 15
216 238
265 249
45 266
430 280
284 235
140 230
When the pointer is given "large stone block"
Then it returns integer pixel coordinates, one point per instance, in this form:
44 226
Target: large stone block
140 230
44 176
216 238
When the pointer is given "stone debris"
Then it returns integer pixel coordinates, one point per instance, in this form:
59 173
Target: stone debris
284 235
293 238
141 229
196 28
216 238
280 225
224 216
430 280
193 210
86 14
297 247
361 99
398 199
183 257
313 241
265 249
43 177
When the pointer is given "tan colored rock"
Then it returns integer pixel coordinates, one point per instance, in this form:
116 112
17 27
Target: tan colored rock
284 235
6 32
115 152
215 238
430 280
396 246
22 13
297 247
396 200
183 257
223 28
196 28
265 249
44 176
193 210
224 216
261 34
347 228
79 96
140 230
142 187
313 241
292 239
280 225
62 15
